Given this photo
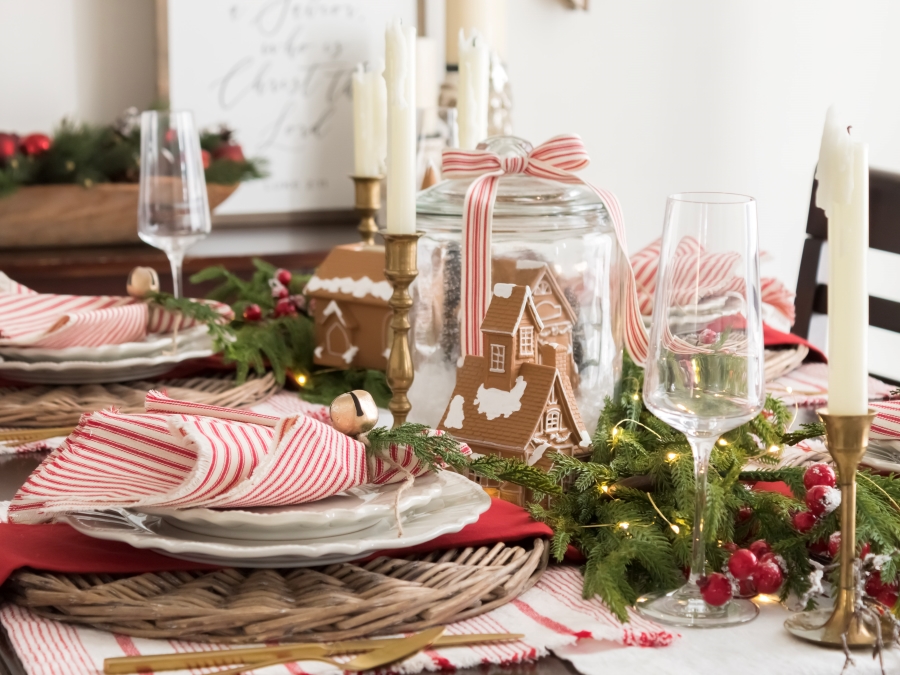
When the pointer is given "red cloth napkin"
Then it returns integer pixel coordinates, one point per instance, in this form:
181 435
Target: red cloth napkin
60 548
773 337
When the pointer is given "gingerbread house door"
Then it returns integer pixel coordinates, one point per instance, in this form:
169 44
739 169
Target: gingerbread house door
337 340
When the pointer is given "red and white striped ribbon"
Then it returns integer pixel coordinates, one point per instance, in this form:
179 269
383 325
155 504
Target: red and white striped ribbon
556 160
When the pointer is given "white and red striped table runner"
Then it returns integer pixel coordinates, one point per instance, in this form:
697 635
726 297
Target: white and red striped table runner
551 615
182 454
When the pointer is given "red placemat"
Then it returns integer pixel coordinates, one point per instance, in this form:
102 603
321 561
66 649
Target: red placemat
60 548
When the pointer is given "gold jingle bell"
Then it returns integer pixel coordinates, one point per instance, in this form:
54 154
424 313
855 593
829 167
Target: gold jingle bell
354 413
142 281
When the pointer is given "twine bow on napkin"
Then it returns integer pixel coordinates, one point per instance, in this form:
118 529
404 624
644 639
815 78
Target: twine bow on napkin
555 160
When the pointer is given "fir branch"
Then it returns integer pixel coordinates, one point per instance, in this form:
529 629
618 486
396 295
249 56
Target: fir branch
806 432
434 450
506 470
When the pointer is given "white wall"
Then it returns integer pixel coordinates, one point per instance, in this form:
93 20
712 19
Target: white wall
669 95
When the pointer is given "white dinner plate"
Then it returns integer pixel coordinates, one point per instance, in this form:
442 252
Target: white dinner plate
461 502
96 372
155 344
343 513
882 455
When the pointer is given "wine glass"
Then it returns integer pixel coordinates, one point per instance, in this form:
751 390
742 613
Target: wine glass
173 210
704 375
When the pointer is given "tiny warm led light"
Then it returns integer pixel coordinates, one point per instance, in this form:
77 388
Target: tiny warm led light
672 456
624 526
675 529
301 379
789 389
604 488
722 441
615 432
767 599
635 397
774 449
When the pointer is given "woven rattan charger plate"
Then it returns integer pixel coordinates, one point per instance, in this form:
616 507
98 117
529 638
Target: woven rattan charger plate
337 602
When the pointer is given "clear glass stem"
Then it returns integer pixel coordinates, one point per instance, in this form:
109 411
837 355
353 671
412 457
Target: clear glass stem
701 448
176 258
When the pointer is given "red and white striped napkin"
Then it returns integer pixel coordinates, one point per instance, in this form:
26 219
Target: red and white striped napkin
182 454
551 615
29 319
716 276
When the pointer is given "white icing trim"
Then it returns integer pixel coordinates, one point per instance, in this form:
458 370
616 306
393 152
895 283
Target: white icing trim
318 352
455 416
537 453
349 354
585 439
333 308
503 290
529 264
358 288
496 403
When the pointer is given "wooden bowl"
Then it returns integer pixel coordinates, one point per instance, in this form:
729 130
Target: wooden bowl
71 215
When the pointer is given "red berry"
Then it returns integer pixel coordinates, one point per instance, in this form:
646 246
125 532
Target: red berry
280 292
874 584
715 589
768 557
742 564
8 146
834 543
228 152
707 336
252 313
760 547
207 158
768 577
35 144
819 548
887 597
819 474
285 307
803 521
747 589
744 514
865 550
822 499
284 276
730 546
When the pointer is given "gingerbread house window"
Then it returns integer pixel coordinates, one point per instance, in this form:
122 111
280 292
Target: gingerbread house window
498 358
526 341
543 288
551 422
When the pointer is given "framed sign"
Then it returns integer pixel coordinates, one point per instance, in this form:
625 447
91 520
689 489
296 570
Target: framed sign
278 73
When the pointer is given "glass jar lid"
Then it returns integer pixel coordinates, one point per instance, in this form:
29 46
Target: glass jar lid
518 195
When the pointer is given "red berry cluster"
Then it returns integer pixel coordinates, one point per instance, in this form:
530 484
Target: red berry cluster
30 146
285 305
884 593
822 497
755 569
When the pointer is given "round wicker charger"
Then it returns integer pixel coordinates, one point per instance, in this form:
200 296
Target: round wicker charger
337 602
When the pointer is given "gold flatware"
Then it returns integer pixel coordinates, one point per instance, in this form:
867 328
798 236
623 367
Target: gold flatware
19 436
396 651
125 665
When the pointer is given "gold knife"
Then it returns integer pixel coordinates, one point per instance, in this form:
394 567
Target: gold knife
125 665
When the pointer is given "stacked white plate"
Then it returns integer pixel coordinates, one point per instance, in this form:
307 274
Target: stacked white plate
155 355
344 527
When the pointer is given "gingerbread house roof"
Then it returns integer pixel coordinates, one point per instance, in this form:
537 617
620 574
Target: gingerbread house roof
530 273
508 306
506 420
352 273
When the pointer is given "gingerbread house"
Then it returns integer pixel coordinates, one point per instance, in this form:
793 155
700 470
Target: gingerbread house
557 315
348 301
516 400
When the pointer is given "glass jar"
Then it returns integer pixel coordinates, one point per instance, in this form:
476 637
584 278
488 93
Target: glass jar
540 227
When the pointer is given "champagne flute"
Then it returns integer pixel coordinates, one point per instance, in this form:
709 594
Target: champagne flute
704 375
173 210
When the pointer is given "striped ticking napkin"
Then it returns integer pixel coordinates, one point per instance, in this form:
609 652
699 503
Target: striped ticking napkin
183 454
30 319
551 615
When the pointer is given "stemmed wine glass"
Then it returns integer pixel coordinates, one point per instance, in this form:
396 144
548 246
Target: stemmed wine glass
173 210
704 375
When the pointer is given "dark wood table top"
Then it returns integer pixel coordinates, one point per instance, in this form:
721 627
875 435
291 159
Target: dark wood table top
14 470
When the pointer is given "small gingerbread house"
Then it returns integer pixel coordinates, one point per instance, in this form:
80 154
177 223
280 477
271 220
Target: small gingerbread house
348 301
516 400
557 315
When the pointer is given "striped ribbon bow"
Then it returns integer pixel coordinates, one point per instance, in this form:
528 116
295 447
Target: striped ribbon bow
556 159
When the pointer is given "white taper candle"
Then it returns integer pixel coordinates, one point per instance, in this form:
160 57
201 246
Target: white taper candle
369 121
843 192
474 90
400 75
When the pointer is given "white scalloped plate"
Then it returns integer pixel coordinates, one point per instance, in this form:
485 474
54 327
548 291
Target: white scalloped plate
153 345
95 372
461 503
350 511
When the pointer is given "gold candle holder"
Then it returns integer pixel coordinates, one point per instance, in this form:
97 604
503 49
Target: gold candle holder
368 201
847 437
400 269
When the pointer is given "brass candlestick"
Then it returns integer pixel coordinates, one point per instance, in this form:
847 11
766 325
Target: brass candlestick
368 201
400 269
847 437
